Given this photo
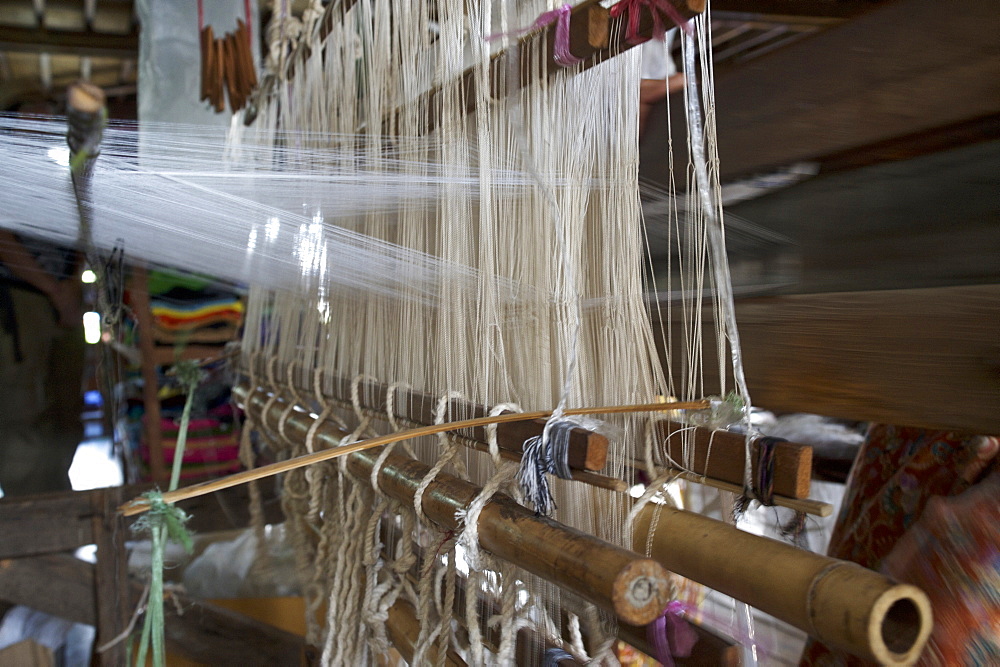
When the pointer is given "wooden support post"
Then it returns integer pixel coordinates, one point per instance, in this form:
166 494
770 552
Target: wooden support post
139 291
110 576
838 602
636 589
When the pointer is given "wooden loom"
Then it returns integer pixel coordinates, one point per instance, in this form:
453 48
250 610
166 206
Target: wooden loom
893 619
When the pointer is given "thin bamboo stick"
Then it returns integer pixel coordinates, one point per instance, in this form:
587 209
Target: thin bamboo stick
838 602
813 507
331 436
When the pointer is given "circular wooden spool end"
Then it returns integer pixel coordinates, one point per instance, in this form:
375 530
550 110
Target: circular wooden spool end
641 592
848 608
85 97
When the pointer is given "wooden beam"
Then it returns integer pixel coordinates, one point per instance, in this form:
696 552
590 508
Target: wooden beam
925 357
46 523
587 450
213 635
80 43
57 584
61 522
792 9
710 649
909 146
899 69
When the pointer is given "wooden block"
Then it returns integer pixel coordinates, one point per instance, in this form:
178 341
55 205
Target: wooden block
721 455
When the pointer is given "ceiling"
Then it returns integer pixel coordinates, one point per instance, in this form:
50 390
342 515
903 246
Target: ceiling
47 44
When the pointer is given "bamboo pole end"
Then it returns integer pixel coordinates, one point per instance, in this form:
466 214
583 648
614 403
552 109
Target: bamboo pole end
641 591
900 625
850 608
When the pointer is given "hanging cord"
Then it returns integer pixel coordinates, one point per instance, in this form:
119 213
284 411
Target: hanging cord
723 281
449 453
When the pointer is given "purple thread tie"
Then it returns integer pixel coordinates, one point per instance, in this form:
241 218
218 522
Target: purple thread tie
633 8
670 635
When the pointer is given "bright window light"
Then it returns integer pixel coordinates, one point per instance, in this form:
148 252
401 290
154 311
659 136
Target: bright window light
88 276
92 327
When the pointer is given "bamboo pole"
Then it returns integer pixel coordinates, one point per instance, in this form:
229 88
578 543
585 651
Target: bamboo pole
298 423
838 602
636 589
711 648
404 628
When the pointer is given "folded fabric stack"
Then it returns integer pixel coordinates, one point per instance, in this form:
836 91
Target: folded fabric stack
211 449
216 320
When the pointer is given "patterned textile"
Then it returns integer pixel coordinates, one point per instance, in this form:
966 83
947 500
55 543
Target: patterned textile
953 554
895 475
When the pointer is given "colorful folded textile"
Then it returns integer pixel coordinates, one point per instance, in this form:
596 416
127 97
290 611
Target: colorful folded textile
897 473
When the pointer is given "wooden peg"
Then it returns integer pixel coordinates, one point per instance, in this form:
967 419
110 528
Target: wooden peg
207 39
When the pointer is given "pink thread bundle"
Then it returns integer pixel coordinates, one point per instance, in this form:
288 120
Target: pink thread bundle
633 10
561 52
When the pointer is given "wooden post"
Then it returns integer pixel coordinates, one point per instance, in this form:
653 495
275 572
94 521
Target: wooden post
110 576
838 602
139 290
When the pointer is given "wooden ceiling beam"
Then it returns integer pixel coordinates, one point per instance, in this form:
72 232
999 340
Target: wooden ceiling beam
82 43
895 71
793 10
